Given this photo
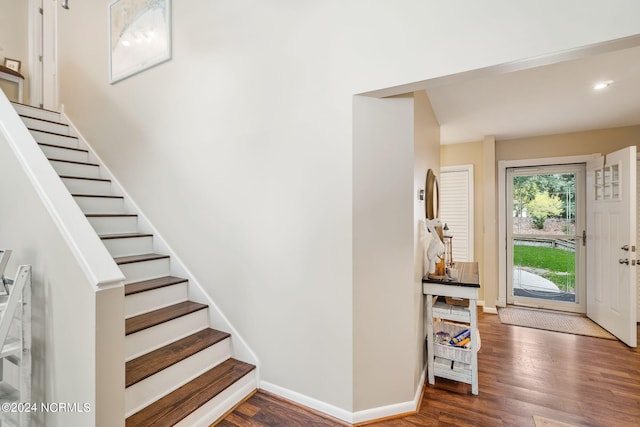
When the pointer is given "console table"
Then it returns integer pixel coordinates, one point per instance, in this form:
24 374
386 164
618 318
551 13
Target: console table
15 77
457 364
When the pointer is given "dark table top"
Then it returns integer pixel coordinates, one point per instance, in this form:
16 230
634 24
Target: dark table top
467 276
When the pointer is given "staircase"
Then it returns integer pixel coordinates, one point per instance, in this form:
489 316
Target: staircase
179 371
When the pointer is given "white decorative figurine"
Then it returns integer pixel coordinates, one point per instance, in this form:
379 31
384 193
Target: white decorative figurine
433 246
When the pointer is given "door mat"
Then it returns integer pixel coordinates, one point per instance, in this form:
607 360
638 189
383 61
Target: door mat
546 422
567 323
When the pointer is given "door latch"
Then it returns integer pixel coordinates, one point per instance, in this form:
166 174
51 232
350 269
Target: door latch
625 248
624 261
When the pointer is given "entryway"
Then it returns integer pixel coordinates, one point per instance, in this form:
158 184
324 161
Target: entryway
608 243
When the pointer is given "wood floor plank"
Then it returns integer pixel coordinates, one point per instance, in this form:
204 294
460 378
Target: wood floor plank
583 381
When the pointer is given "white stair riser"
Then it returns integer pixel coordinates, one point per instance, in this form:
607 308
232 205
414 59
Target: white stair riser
51 138
100 204
149 339
114 224
129 246
139 271
143 302
46 126
65 154
215 408
38 113
164 382
74 169
87 186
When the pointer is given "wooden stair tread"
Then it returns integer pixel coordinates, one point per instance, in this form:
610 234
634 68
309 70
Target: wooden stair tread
138 258
124 235
84 178
156 317
151 363
53 133
180 403
74 162
108 215
63 147
148 285
44 120
103 196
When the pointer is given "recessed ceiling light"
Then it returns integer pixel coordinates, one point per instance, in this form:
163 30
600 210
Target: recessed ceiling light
602 85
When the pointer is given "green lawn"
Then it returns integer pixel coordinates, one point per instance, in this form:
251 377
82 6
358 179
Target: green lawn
559 265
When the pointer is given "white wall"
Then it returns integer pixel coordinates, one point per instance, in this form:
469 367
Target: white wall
14 38
239 149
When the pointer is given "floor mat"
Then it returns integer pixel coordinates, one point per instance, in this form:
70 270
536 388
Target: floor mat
567 323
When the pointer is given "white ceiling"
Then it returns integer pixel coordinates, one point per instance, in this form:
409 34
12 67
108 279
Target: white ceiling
550 99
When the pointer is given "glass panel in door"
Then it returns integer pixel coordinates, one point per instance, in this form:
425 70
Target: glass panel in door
545 237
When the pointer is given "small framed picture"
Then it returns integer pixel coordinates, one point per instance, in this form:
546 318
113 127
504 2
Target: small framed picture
12 64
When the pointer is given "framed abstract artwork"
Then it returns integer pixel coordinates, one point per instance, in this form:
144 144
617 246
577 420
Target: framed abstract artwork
139 36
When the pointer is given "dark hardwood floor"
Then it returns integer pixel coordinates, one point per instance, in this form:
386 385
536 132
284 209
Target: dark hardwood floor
523 372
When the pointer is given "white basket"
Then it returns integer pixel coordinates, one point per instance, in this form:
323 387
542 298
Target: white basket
458 354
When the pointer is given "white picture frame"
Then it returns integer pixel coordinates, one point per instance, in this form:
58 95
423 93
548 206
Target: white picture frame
139 36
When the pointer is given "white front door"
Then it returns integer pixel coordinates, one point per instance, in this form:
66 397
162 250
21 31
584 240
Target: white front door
611 243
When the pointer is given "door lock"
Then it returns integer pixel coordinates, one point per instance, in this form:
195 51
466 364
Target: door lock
624 261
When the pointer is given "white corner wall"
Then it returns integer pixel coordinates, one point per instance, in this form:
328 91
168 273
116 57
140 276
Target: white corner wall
383 248
240 149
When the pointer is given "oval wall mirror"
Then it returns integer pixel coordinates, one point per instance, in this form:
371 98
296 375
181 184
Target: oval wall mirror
432 197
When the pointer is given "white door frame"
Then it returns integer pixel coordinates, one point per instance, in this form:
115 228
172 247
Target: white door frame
502 209
35 53
579 305
43 43
50 55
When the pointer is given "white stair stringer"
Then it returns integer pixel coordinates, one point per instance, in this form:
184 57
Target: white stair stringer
147 391
111 212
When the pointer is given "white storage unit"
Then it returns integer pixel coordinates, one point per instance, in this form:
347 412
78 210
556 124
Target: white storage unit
454 363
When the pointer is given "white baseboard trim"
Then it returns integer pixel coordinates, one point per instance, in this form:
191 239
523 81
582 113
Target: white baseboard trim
491 310
486 309
308 401
342 414
395 409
